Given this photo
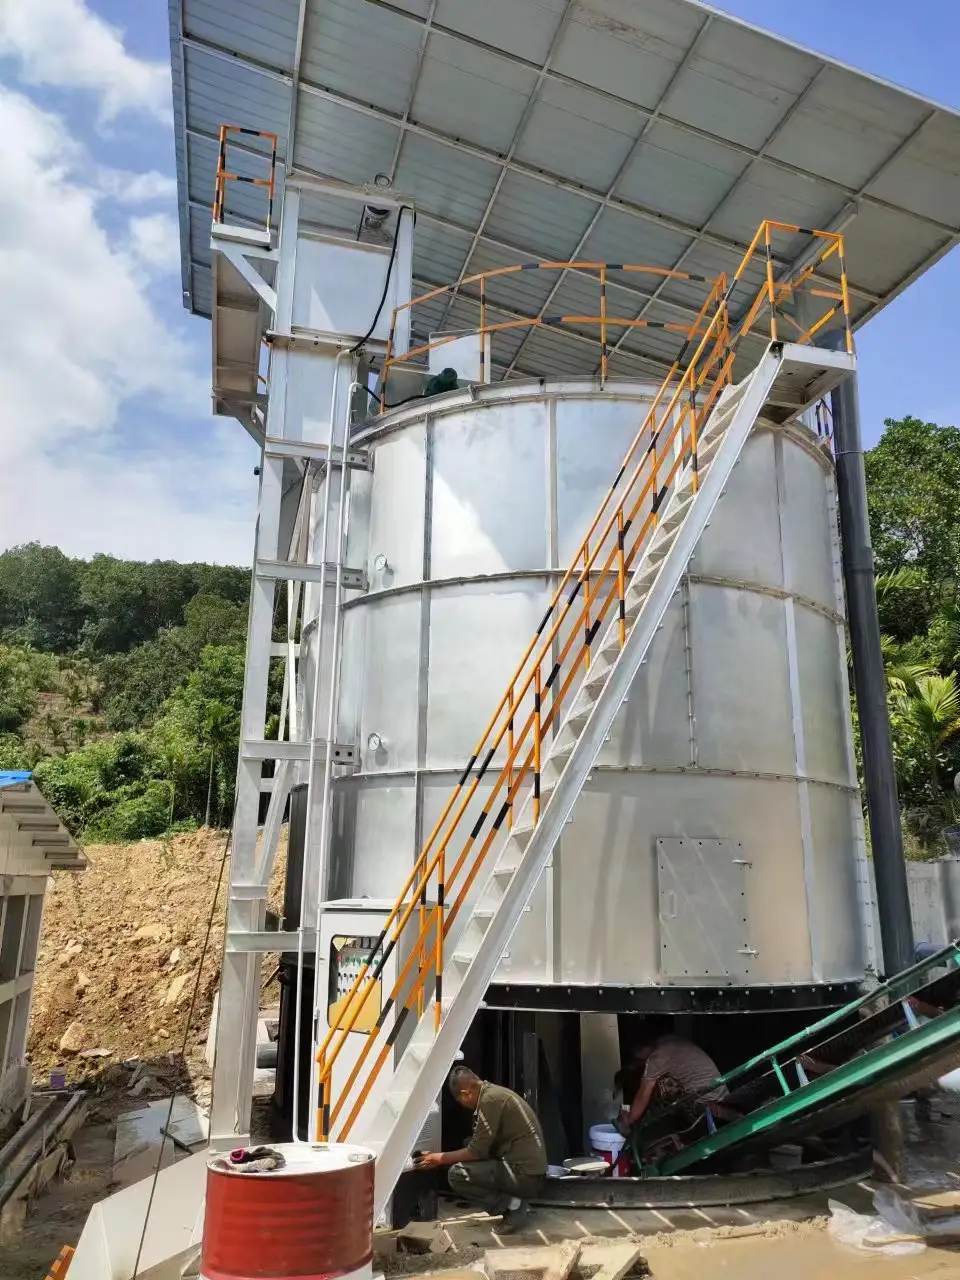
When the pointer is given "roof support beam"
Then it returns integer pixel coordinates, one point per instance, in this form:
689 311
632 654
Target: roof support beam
251 64
415 83
512 150
295 84
783 165
638 142
733 247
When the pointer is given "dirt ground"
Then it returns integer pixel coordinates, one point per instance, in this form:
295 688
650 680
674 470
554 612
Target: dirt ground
119 954
118 962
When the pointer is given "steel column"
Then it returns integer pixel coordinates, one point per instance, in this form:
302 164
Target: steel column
883 808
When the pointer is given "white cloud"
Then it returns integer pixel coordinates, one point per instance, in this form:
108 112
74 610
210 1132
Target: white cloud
136 188
187 500
155 241
86 356
62 43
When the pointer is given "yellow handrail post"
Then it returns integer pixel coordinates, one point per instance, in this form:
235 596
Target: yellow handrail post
771 286
537 735
438 942
510 750
586 597
621 581
483 329
845 293
603 326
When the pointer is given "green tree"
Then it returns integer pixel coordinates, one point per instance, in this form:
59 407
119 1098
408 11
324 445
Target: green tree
933 711
40 597
913 478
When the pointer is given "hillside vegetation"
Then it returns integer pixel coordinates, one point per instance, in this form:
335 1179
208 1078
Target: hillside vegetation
121 682
120 686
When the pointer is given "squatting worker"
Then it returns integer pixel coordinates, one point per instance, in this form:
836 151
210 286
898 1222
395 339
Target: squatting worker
675 1071
505 1162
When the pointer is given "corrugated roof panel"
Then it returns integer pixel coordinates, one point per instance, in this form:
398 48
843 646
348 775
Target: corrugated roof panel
578 134
366 52
768 192
611 47
202 299
736 83
470 93
552 353
620 237
324 213
680 174
219 93
451 184
200 236
439 253
525 27
527 211
523 290
420 7
262 29
887 247
925 177
339 143
846 127
740 83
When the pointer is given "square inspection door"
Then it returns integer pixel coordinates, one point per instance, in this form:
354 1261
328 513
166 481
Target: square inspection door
704 909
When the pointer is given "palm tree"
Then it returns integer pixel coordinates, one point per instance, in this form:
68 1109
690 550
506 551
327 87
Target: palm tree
932 707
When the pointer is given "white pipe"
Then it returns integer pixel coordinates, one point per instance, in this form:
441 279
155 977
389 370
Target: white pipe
326 799
311 767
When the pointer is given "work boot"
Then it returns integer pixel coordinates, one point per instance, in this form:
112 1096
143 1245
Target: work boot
515 1218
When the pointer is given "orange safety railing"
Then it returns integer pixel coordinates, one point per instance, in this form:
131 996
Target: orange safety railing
591 595
772 298
224 175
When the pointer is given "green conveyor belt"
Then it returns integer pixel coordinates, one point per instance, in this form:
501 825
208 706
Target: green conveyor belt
873 1048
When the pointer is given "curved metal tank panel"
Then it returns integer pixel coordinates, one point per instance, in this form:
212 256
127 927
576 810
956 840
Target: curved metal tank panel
736 730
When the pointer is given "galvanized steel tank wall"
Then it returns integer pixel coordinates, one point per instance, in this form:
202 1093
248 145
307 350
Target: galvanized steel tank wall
737 729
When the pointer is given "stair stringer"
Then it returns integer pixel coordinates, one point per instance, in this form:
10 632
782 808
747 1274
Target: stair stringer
420 1074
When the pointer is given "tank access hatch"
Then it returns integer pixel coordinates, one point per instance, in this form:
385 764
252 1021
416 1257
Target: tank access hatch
873 1050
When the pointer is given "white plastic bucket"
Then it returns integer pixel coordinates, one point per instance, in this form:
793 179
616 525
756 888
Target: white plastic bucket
606 1141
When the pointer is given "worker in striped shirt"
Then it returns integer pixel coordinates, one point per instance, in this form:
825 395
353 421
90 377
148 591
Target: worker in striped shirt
676 1072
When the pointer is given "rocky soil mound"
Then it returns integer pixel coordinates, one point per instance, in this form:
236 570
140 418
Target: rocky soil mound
119 954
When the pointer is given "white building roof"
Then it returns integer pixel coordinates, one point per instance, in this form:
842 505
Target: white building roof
32 837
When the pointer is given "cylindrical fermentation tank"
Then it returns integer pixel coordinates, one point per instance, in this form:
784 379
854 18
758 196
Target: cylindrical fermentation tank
719 840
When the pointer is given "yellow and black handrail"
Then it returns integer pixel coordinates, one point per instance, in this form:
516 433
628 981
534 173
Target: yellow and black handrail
590 596
229 132
771 297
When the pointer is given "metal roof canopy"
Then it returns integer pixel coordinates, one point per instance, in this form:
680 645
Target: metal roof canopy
648 131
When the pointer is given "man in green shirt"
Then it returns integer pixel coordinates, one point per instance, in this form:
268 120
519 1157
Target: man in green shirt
505 1162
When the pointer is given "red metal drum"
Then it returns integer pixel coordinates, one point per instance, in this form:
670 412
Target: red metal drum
311 1220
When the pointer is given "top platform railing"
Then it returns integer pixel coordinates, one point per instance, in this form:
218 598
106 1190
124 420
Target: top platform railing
233 133
506 762
824 304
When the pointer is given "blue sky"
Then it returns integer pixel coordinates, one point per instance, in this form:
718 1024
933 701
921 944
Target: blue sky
108 440
908 353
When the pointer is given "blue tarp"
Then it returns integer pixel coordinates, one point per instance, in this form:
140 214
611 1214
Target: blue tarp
13 777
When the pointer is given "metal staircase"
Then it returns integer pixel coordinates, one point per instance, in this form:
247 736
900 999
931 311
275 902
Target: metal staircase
480 865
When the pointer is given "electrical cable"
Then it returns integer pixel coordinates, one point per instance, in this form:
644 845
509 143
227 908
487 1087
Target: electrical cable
183 1048
386 284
